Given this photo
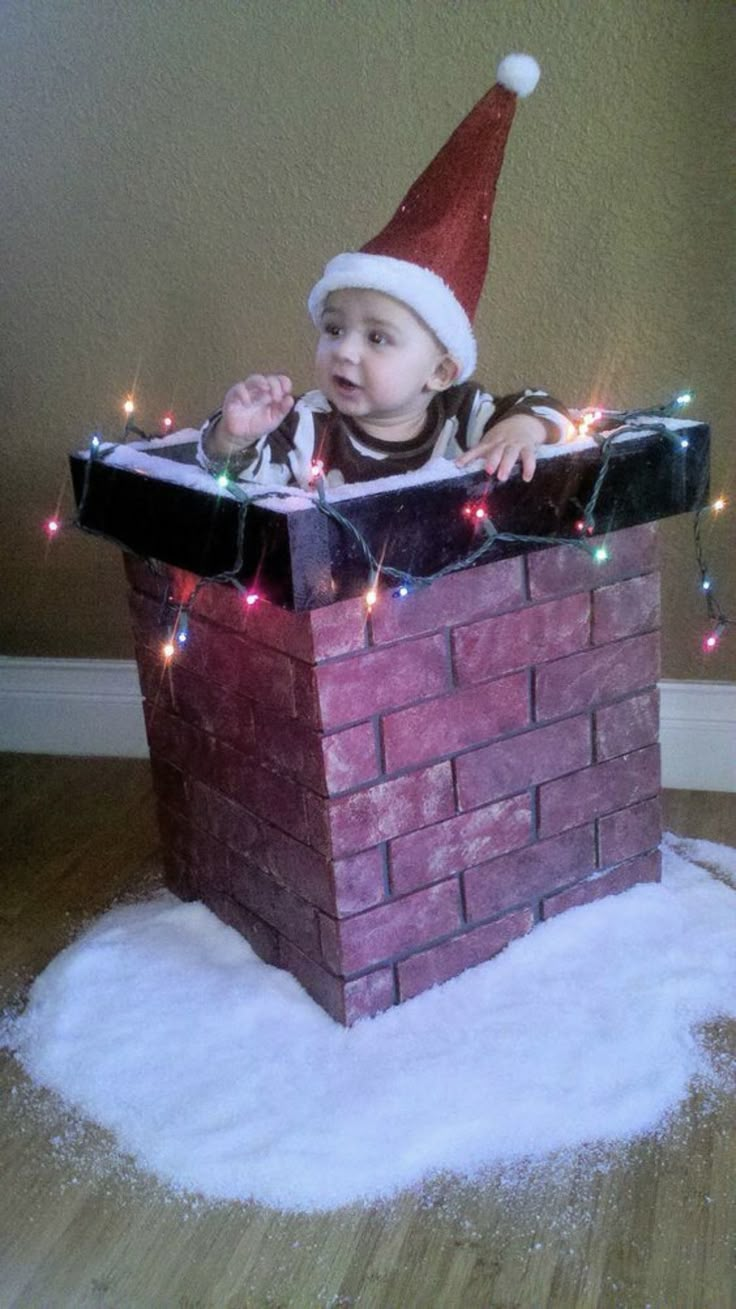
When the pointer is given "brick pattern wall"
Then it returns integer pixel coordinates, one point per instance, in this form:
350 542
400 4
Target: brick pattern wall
379 802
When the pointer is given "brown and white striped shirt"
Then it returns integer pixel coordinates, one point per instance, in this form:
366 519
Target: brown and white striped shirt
314 430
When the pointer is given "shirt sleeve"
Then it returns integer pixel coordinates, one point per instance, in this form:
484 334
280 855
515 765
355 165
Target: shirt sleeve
480 411
281 458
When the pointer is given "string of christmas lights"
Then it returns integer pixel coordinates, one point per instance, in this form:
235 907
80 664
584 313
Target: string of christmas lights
604 426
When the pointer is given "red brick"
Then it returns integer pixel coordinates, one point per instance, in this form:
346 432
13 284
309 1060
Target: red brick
264 896
436 965
145 578
358 881
464 718
629 832
601 789
626 608
229 822
290 862
262 938
562 569
353 944
517 640
319 634
150 622
316 980
626 726
205 857
227 770
344 887
306 697
345 1001
644 868
338 629
350 757
222 658
174 833
169 785
365 818
582 681
290 746
264 623
527 874
160 581
272 797
176 742
356 687
488 589
207 706
369 994
178 877
240 666
435 852
522 761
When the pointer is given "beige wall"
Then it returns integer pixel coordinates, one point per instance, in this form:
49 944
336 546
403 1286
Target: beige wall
174 173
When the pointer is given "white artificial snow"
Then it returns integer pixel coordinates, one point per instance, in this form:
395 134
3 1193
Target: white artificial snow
221 1076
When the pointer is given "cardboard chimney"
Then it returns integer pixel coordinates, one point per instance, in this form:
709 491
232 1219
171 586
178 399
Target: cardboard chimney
379 798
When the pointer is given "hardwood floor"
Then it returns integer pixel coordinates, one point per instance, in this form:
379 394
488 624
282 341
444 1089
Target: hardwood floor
648 1225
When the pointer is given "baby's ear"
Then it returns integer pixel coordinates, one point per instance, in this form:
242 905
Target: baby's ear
445 371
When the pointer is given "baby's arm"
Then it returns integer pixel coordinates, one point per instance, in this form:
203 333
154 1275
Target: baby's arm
516 437
250 410
510 441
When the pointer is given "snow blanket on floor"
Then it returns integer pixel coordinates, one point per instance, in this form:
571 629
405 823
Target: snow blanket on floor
218 1074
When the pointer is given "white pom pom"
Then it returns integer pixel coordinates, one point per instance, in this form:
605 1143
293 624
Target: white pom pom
518 73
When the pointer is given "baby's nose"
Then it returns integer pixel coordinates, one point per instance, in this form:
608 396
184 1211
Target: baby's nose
348 346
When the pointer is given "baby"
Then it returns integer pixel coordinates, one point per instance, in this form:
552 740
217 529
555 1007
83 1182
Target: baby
396 347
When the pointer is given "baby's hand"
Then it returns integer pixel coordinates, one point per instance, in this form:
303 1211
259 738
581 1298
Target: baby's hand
253 408
515 439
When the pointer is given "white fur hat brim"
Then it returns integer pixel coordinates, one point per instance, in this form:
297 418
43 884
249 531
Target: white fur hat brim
419 288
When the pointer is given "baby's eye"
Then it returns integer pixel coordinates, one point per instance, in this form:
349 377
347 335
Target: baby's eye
331 329
378 338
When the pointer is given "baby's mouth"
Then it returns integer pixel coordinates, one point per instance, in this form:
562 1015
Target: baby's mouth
345 384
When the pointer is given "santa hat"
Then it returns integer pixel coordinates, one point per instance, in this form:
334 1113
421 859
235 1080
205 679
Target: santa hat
433 254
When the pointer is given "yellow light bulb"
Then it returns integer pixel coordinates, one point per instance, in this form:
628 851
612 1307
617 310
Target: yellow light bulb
129 406
719 504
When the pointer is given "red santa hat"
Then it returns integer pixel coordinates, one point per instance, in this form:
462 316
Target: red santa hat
433 254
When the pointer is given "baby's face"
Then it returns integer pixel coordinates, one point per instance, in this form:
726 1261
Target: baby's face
376 359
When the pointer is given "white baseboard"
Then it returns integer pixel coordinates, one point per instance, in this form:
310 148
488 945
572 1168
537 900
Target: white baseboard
93 707
698 735
71 707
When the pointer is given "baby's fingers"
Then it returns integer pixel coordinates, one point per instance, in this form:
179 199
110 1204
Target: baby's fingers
528 462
